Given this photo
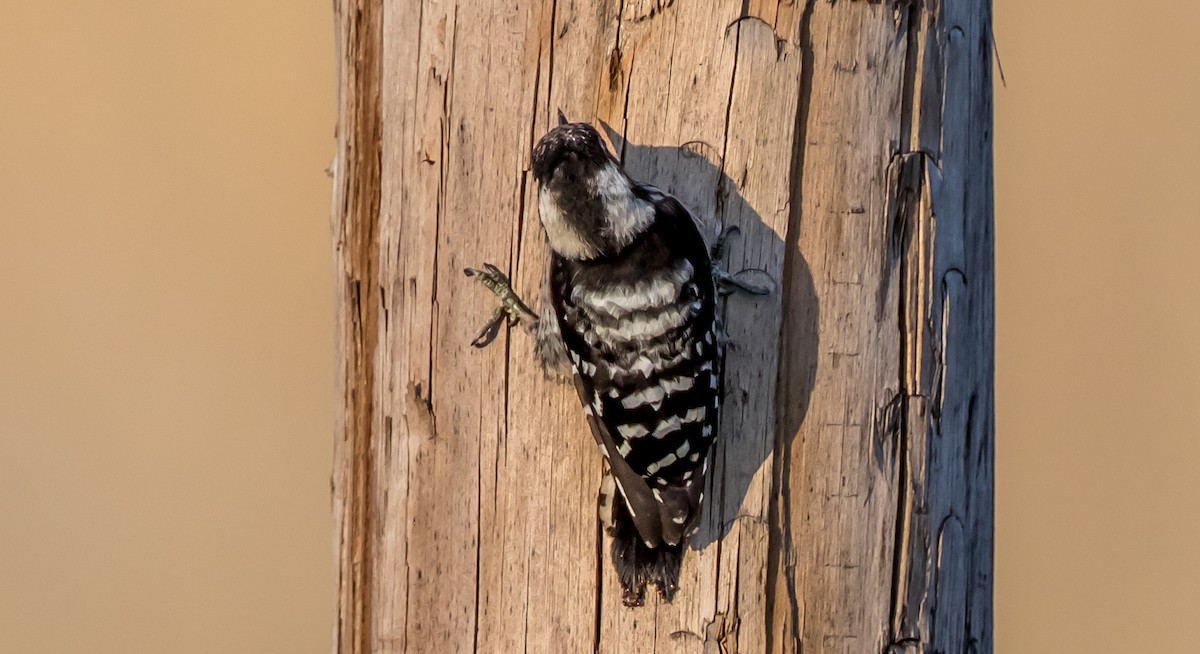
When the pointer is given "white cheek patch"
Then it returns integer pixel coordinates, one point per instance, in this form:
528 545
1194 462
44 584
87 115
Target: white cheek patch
626 215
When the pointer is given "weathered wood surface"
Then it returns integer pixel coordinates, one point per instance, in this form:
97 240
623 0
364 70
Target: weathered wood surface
851 500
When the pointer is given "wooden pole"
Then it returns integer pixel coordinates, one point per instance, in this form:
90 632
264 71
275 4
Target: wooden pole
850 507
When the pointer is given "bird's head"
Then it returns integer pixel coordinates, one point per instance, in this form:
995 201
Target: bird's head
569 156
586 201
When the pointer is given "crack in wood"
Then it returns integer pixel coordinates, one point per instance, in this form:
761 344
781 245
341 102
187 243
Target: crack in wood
356 219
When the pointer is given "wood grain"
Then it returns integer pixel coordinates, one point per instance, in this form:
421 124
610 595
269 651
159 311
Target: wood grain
850 505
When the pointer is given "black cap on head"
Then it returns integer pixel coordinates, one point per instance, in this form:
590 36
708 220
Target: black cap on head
574 147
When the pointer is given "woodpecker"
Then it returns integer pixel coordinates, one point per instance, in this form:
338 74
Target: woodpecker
629 311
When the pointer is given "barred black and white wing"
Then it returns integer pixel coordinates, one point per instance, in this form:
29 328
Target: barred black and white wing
640 331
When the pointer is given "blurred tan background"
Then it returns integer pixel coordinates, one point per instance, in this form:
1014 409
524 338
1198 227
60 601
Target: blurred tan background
1098 304
166 308
166 326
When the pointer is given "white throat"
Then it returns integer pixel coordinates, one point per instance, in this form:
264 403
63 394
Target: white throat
563 235
626 215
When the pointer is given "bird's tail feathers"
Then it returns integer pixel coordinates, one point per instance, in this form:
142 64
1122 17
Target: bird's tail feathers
639 565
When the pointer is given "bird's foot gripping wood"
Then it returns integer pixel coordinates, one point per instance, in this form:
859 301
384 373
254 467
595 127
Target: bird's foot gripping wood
729 283
511 308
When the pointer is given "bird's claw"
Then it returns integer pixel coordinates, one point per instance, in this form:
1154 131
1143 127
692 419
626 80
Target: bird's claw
488 334
728 283
717 252
511 308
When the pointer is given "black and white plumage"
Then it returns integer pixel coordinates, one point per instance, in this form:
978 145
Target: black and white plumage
629 307
633 306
